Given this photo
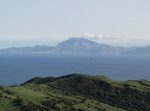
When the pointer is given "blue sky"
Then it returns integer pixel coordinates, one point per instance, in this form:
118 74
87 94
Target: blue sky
47 22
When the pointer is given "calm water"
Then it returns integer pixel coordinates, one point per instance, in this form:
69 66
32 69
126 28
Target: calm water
16 69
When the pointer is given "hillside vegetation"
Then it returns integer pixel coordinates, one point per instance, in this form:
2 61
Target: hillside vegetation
76 92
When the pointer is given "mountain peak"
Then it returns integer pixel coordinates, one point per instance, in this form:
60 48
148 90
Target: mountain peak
78 40
80 45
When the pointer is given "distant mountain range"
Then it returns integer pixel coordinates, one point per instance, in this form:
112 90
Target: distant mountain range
79 46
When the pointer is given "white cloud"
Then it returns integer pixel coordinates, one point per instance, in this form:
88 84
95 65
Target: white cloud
95 36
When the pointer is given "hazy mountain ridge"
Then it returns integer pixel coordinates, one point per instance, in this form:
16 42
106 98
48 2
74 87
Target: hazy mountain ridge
76 92
79 46
35 49
145 50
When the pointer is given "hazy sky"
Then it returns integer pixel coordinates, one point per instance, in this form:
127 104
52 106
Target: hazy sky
47 22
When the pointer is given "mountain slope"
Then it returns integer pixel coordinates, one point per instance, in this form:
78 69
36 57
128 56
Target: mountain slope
77 92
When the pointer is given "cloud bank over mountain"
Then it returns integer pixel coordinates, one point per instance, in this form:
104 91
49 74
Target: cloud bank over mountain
95 36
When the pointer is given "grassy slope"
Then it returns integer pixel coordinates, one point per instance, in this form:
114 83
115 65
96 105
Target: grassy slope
7 101
28 94
36 92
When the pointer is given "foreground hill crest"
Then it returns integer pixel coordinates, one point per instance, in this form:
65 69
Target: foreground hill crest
76 92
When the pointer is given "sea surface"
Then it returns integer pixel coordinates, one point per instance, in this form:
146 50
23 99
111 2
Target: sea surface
16 69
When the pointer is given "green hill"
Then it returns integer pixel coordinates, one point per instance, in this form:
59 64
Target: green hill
76 92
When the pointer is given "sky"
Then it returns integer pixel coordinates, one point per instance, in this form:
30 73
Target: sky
48 22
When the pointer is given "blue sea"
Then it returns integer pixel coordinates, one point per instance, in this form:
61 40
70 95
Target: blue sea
16 69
